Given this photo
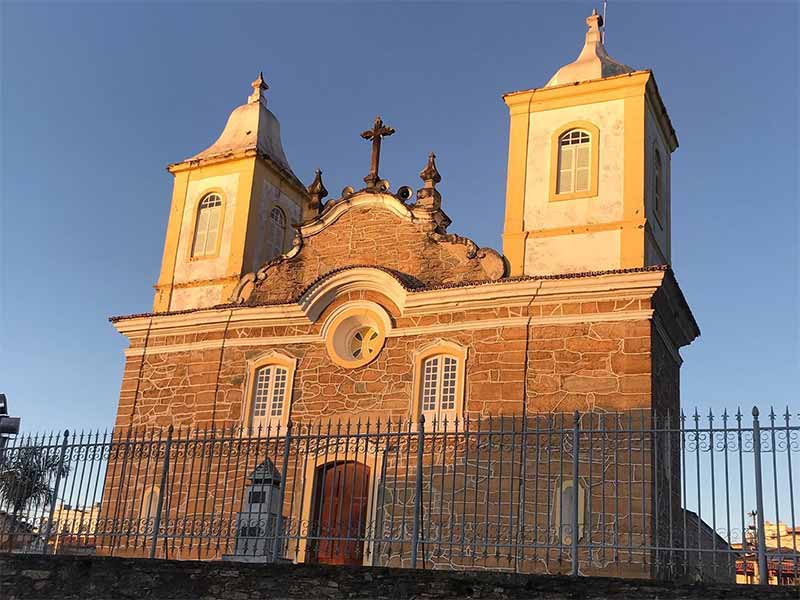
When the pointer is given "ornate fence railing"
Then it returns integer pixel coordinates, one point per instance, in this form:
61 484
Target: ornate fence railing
629 493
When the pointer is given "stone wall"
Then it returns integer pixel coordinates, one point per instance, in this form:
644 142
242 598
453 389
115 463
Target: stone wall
380 237
81 578
590 365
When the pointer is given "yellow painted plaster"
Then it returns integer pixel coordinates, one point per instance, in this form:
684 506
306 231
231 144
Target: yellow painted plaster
244 182
629 113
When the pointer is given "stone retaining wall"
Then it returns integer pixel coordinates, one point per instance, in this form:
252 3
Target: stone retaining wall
96 578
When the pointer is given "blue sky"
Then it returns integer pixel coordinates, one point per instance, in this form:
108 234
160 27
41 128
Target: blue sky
97 98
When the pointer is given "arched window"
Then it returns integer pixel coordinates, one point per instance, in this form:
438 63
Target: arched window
439 384
148 506
439 377
574 162
206 232
269 397
563 517
658 184
276 233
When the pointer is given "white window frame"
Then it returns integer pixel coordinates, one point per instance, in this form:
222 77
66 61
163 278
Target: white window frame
208 226
264 396
439 383
269 396
569 143
439 387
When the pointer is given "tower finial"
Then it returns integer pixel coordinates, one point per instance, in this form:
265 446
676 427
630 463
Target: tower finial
428 195
595 22
259 87
430 174
317 192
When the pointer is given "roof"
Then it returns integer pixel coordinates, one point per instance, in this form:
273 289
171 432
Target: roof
405 283
253 127
593 62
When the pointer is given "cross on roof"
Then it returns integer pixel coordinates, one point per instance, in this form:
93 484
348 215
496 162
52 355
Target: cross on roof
378 131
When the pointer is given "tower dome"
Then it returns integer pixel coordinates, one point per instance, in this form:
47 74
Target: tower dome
593 62
251 127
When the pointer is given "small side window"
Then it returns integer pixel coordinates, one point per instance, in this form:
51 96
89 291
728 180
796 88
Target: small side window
276 233
658 184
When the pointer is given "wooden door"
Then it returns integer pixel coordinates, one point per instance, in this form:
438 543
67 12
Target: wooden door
340 513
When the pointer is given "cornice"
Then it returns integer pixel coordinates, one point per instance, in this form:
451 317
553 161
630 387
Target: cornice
521 292
637 79
314 338
234 155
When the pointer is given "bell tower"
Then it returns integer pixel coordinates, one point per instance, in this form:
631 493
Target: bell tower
233 205
588 185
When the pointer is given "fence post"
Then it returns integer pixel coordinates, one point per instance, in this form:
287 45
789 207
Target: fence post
418 494
59 472
763 575
276 551
163 484
576 432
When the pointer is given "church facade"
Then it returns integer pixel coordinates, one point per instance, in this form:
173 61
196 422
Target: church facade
275 305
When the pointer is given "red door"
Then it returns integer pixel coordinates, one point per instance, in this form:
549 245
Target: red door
340 513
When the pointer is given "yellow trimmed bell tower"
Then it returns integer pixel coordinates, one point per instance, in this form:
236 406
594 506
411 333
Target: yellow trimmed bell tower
233 206
588 185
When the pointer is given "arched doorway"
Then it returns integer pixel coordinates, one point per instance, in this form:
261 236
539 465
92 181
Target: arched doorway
339 513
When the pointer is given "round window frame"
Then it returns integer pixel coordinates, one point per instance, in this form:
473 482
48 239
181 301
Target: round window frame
342 325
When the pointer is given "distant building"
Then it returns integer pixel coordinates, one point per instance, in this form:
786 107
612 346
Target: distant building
73 528
783 555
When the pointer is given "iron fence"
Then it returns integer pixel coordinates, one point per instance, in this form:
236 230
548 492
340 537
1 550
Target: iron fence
629 494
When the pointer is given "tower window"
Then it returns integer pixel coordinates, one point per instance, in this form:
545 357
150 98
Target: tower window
574 162
439 387
269 396
206 233
276 233
658 185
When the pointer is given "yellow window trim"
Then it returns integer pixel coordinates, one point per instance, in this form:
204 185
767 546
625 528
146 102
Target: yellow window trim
433 349
594 132
223 207
270 358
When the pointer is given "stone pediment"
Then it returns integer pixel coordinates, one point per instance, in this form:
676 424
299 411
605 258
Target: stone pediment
372 229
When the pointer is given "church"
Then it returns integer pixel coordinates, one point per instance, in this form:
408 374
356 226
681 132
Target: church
280 307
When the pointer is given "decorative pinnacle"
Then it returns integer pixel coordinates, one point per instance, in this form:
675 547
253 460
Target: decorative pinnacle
594 18
430 174
259 87
317 191
595 22
429 196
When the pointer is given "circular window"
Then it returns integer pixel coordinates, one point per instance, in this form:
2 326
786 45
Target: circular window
364 343
355 335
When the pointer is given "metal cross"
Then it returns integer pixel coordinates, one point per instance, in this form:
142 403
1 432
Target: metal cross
378 131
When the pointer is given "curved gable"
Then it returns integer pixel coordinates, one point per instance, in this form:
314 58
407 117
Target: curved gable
371 229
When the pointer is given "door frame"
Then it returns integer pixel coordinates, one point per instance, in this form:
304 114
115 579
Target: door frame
374 461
